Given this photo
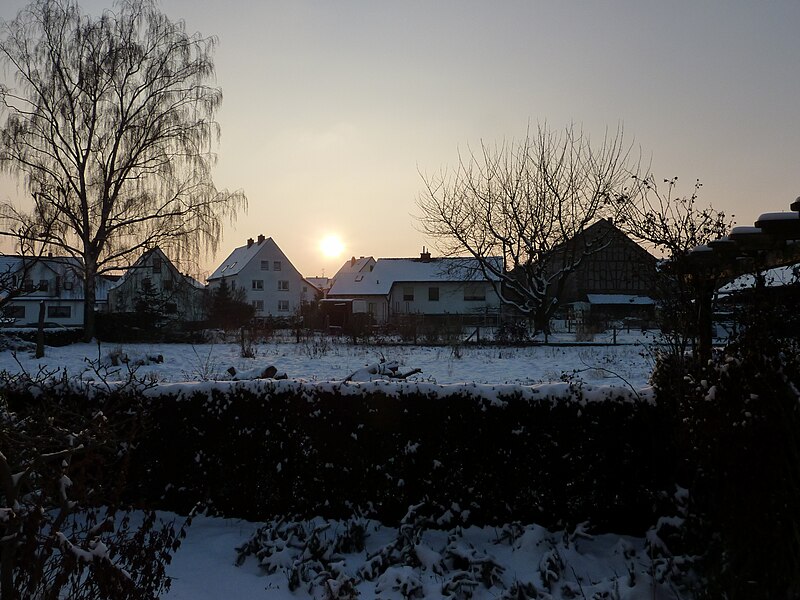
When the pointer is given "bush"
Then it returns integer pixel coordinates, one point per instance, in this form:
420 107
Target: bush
258 450
512 332
737 427
63 530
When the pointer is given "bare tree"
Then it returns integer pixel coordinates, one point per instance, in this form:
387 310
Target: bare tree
673 225
111 125
527 203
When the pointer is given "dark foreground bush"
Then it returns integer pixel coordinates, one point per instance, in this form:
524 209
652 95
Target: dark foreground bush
737 428
557 456
64 532
261 449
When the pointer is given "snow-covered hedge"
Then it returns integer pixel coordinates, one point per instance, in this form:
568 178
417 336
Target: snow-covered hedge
556 454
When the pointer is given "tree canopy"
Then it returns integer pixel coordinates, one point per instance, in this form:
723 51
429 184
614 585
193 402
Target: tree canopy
111 125
524 202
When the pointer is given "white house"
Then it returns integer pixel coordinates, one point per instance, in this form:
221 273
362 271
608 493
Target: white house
269 280
392 287
56 281
154 279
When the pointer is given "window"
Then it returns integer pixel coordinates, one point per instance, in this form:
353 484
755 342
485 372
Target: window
59 312
258 305
14 312
474 293
283 285
408 294
167 284
276 265
283 305
258 284
44 285
265 265
67 285
28 285
156 264
170 308
433 294
372 308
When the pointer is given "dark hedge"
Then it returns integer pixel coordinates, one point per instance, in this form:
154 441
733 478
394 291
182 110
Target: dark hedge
256 454
260 451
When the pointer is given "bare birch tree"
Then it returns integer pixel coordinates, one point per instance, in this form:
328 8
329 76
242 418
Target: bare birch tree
527 203
111 126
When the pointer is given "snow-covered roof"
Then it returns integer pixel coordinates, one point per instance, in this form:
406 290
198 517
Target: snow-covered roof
626 299
388 271
321 283
779 216
241 256
355 265
776 277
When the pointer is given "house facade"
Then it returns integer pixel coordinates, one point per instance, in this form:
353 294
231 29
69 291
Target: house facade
395 287
270 282
26 282
615 279
154 285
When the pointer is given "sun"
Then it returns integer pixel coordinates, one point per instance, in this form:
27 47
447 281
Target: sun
331 246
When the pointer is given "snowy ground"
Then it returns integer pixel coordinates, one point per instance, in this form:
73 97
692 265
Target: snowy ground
326 359
204 568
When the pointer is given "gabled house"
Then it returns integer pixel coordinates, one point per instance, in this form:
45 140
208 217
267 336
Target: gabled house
270 281
153 285
614 279
26 282
393 287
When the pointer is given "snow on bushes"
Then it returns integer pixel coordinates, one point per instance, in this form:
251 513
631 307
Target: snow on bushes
430 557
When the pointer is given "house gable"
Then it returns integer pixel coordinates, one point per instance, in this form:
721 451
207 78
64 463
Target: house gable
153 283
269 280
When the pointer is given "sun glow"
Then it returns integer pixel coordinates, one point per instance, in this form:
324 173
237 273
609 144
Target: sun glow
331 246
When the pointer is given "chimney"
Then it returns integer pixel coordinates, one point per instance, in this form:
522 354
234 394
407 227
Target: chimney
249 242
353 261
260 239
424 256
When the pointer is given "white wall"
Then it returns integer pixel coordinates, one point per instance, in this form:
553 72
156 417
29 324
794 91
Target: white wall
451 298
277 301
63 297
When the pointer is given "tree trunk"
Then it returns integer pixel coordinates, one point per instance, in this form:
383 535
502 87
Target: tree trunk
705 322
40 332
89 295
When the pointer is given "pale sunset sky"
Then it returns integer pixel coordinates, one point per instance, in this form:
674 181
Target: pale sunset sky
332 109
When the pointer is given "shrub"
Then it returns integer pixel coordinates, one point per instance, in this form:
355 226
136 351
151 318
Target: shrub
258 450
63 531
737 427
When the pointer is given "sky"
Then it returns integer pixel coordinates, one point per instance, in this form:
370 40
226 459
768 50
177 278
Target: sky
334 111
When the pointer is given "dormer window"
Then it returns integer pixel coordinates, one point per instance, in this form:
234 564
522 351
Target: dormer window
359 277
